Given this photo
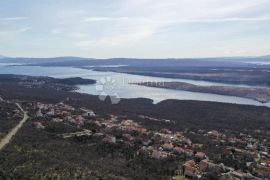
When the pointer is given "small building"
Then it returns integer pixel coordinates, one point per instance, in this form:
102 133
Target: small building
39 113
157 154
39 125
189 169
200 155
165 131
178 150
109 139
203 165
57 120
213 133
127 137
189 153
89 113
168 147
50 113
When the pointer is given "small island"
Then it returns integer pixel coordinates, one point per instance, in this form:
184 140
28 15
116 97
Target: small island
259 94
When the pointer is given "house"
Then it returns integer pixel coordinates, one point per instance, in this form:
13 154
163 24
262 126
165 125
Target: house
40 105
89 113
57 120
178 150
265 162
165 131
70 119
157 154
141 130
98 134
39 113
85 133
39 125
189 169
262 173
190 172
213 133
144 150
189 163
127 137
189 153
79 120
168 147
50 113
203 165
187 141
200 155
109 139
146 142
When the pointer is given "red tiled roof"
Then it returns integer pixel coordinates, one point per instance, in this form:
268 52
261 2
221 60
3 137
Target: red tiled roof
156 154
203 164
168 146
189 151
190 169
179 149
200 154
189 163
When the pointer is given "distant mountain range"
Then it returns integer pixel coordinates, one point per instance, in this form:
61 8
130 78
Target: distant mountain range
173 62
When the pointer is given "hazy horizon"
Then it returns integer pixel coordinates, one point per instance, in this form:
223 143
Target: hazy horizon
84 57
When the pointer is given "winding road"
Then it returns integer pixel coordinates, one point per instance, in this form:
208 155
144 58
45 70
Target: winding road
4 141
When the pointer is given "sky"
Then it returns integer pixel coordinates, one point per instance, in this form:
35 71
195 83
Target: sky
134 28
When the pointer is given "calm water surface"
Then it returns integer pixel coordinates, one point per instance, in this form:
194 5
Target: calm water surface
119 84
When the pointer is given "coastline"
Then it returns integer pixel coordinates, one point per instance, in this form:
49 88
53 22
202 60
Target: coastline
261 95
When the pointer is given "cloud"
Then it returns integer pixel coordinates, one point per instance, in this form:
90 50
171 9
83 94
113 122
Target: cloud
214 20
12 18
136 33
21 30
96 19
15 32
77 35
56 31
100 19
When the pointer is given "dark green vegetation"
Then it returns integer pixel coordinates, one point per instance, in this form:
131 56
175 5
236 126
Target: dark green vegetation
10 78
9 117
75 81
37 153
191 114
67 84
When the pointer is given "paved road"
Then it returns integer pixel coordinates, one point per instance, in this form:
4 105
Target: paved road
13 132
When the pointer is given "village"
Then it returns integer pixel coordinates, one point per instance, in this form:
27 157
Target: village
162 144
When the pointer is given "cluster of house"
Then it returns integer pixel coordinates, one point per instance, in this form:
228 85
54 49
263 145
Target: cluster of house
159 144
62 112
45 83
238 145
